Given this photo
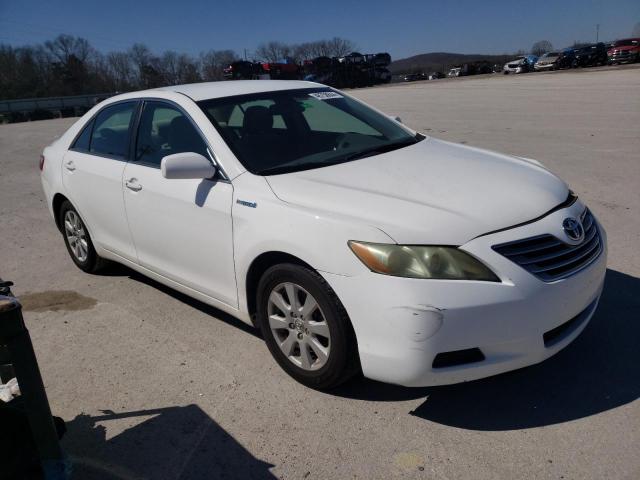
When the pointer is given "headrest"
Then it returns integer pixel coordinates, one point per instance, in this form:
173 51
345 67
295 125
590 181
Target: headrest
257 119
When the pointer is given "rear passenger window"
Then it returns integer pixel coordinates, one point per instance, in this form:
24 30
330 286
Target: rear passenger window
165 130
111 130
82 142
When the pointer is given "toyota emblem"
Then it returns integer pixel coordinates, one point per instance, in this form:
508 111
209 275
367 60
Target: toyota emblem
573 228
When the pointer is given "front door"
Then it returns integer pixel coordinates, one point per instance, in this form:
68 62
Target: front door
181 228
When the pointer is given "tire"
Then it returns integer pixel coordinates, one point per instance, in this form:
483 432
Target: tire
82 252
341 361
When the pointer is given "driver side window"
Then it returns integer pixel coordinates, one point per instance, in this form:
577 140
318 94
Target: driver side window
165 130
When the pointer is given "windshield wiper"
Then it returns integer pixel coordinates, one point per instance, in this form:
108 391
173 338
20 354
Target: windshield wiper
369 152
299 167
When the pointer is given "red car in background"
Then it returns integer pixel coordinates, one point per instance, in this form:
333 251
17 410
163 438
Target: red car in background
624 51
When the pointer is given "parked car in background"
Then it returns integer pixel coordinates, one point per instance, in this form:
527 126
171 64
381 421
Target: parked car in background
275 202
454 72
555 60
591 55
413 77
436 75
242 69
351 71
522 64
625 51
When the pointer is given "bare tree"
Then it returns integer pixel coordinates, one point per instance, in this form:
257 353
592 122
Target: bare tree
336 47
339 47
63 47
121 70
273 51
169 68
302 51
187 69
69 65
320 48
148 67
213 62
541 47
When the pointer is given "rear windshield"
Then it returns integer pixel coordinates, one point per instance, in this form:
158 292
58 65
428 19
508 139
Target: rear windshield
291 130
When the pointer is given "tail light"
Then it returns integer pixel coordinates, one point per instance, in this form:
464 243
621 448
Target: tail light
41 162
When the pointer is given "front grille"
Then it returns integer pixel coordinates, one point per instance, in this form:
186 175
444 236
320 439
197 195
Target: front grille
622 54
549 258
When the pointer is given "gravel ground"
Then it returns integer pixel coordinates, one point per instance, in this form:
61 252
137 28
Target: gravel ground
155 385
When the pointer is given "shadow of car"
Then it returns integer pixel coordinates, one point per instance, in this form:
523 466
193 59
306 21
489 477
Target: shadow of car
168 443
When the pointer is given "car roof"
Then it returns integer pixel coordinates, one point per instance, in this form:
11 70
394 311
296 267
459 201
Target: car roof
229 88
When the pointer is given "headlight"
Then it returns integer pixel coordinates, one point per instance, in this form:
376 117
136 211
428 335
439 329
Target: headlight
444 263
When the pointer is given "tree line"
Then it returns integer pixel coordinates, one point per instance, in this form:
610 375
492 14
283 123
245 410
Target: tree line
69 65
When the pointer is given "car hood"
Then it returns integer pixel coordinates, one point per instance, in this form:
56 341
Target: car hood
546 60
431 192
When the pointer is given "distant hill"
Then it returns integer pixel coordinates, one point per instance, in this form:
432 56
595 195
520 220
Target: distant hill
442 61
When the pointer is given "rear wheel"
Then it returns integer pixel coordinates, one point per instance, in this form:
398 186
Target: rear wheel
306 327
77 239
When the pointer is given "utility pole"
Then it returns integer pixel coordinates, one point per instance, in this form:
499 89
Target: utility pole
597 32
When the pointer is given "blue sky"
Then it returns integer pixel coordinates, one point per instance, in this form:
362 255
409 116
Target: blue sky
401 28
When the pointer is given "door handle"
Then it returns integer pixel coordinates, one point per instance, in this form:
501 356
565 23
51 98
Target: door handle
70 165
132 184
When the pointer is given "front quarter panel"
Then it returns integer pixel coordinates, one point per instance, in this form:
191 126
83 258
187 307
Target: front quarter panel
263 223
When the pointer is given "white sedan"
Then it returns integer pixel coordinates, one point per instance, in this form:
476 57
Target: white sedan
353 242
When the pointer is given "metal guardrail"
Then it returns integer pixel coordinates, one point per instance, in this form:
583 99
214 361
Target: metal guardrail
18 351
54 104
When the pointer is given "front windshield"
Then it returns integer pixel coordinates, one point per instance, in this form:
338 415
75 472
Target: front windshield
292 130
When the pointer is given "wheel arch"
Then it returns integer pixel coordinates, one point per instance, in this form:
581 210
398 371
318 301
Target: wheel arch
58 200
261 264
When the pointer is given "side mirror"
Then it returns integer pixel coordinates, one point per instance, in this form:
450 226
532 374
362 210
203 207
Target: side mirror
187 165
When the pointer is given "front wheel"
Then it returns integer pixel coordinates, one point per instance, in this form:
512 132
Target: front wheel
306 327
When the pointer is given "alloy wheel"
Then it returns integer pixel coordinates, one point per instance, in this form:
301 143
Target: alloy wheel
299 326
76 236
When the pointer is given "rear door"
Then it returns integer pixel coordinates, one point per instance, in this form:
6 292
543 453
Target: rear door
181 228
92 175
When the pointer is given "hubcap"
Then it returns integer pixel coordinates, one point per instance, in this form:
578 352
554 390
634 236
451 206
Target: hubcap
299 326
76 235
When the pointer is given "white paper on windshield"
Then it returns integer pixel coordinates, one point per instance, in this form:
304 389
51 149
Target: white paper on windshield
325 95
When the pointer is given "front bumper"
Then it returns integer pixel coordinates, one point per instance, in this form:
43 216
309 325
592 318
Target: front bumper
624 57
402 324
514 69
545 66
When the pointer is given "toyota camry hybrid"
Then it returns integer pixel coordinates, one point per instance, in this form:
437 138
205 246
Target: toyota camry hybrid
351 241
